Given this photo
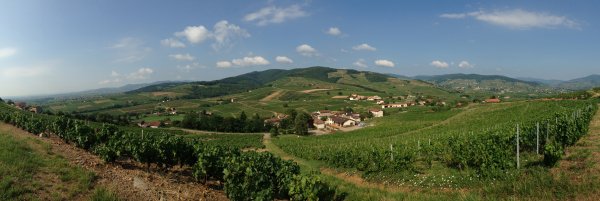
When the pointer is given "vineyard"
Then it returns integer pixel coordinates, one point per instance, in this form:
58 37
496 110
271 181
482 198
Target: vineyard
485 141
245 175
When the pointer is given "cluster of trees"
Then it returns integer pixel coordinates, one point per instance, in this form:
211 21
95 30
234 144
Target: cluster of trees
215 122
295 123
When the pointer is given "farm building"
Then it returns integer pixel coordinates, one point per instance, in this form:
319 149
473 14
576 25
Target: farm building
318 123
374 98
154 124
376 112
394 105
36 109
492 100
340 121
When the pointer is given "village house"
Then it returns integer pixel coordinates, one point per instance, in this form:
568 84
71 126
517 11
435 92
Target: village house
21 105
36 109
154 124
318 123
351 116
380 102
275 121
492 100
376 112
340 121
172 111
373 98
394 105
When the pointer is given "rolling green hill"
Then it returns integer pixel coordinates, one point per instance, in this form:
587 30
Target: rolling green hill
489 84
581 83
265 93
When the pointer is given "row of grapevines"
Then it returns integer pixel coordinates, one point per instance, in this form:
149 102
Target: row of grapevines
246 175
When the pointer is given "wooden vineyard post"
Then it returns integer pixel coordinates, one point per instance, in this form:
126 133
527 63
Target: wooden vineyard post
142 134
547 131
391 152
537 134
518 164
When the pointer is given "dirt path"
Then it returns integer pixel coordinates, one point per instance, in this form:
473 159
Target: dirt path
127 178
272 96
314 90
581 163
206 132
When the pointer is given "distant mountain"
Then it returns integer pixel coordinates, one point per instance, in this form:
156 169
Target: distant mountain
587 82
253 80
41 99
549 82
475 83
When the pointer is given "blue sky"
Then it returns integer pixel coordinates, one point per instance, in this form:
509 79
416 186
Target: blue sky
60 46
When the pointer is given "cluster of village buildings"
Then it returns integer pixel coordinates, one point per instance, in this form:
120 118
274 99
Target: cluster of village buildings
24 106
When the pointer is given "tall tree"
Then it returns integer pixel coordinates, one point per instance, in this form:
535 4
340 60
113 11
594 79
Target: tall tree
301 124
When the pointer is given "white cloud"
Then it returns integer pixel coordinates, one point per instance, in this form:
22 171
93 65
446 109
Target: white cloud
384 63
306 50
361 63
439 64
130 50
275 15
453 15
334 31
7 52
189 67
517 19
141 74
182 57
250 61
194 34
465 64
171 42
283 60
224 64
224 32
364 46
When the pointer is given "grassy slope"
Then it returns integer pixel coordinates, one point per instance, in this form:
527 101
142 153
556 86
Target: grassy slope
29 170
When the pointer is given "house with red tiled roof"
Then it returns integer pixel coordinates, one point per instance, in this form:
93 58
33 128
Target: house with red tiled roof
492 100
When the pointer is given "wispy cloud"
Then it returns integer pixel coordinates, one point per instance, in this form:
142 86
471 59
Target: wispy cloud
360 63
182 57
275 15
171 42
364 47
130 50
7 52
517 19
140 74
24 71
